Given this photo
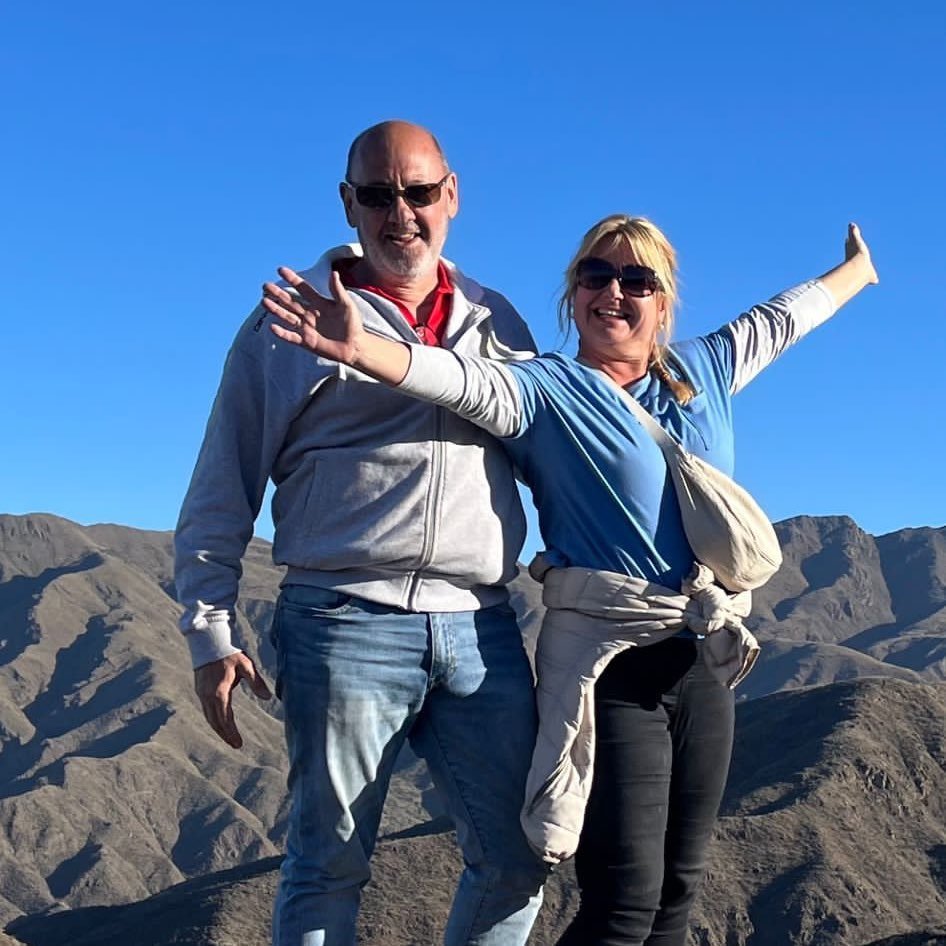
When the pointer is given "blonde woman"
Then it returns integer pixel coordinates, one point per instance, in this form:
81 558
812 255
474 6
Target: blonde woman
640 648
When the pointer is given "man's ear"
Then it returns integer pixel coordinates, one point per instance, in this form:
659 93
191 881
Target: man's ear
347 196
452 189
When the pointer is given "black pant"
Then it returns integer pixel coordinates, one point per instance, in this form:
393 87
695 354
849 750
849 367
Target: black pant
664 729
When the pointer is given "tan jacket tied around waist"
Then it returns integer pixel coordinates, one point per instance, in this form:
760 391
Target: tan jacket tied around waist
592 616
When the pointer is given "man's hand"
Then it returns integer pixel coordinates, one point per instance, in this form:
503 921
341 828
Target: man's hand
215 683
331 328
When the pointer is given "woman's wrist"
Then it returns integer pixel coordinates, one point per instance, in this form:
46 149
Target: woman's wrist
862 269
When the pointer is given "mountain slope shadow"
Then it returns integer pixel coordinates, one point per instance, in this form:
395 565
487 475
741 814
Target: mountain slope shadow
132 733
19 595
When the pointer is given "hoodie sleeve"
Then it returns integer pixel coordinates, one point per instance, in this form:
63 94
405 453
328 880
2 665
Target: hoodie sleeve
244 434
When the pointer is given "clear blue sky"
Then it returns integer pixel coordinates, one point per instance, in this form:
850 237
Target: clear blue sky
160 160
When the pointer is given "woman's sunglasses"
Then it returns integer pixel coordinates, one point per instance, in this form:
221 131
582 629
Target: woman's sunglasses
382 196
594 274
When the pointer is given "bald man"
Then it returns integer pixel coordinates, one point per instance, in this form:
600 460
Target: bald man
399 525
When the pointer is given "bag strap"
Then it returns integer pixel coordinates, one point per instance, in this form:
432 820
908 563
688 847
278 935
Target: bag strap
667 444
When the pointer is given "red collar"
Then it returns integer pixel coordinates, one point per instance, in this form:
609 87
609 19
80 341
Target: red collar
431 332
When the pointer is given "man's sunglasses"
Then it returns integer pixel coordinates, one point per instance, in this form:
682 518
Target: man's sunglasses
594 274
382 196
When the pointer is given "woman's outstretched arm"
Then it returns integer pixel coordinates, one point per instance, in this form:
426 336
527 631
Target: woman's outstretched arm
479 389
767 330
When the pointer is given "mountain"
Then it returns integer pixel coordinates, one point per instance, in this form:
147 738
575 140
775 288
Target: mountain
113 789
112 786
845 604
832 828
831 834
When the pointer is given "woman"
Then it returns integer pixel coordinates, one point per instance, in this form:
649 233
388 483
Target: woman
647 712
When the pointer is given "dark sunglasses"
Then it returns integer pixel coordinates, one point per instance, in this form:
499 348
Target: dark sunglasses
594 274
382 196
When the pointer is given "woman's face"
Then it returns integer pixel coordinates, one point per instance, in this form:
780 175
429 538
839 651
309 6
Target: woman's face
613 323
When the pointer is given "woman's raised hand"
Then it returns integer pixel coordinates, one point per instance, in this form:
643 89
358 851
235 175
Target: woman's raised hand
857 271
855 249
331 328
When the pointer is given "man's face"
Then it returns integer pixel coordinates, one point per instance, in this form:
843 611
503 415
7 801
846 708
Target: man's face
402 243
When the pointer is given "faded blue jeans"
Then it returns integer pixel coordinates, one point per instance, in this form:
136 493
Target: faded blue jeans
356 679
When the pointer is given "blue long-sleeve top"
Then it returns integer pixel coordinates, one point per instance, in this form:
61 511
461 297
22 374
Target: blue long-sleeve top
598 479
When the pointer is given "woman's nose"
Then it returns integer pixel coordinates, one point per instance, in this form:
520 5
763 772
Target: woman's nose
614 290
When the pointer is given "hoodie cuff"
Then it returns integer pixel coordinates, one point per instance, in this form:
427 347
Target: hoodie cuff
210 643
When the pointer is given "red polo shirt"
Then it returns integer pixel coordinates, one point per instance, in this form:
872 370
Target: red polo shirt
431 332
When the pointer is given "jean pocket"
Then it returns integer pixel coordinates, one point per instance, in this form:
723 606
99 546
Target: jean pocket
306 600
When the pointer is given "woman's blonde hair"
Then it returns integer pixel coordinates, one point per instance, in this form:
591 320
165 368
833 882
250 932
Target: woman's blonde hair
650 248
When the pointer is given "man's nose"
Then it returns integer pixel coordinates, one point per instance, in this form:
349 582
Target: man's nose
401 210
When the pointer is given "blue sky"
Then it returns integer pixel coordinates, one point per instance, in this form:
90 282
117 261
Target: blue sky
163 159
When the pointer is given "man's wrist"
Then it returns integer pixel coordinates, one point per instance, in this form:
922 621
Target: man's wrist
210 643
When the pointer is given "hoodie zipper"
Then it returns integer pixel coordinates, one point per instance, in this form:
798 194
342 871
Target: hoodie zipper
432 509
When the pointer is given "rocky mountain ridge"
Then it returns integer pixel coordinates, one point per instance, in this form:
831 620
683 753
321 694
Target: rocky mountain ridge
112 788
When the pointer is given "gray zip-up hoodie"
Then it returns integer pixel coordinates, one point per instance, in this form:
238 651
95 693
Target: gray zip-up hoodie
378 494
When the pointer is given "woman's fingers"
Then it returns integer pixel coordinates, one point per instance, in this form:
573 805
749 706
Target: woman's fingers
287 335
338 290
301 286
290 313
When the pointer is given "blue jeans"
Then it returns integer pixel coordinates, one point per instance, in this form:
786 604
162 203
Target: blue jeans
664 734
357 679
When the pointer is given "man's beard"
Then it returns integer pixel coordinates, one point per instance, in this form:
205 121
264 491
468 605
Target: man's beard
406 262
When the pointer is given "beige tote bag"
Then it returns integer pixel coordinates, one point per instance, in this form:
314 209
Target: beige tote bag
725 526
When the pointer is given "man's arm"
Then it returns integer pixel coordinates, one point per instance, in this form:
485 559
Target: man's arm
213 530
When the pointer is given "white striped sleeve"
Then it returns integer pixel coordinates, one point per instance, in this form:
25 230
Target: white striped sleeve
766 331
483 391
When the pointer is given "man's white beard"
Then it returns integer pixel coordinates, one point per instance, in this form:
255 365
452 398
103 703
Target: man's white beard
405 263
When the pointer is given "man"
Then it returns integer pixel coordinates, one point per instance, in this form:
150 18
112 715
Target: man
400 526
